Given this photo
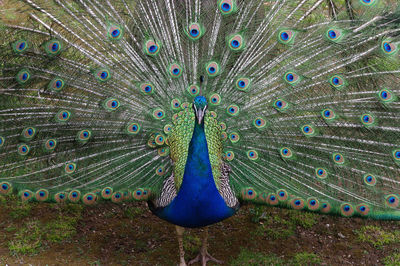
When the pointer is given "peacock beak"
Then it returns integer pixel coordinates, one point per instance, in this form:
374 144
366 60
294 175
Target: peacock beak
200 113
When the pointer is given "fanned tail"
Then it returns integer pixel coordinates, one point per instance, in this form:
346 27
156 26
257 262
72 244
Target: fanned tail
308 105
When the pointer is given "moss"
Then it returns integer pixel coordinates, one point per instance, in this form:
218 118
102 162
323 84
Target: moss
20 210
376 236
191 243
257 213
60 230
10 228
133 212
275 228
251 258
305 258
392 260
305 219
27 241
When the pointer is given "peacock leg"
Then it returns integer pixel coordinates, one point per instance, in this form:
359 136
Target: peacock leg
203 255
179 232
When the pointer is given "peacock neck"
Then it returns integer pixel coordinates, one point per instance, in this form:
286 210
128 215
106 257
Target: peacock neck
198 164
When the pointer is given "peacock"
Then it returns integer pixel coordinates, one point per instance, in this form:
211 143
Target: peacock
199 106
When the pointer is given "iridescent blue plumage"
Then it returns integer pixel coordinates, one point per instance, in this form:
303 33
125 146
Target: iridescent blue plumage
198 202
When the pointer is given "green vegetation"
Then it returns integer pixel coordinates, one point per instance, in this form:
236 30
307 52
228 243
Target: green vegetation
133 212
392 260
376 236
60 230
305 258
27 241
278 227
191 243
247 257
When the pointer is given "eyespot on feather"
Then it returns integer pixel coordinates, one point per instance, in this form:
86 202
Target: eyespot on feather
227 7
326 207
5 188
74 196
83 136
236 42
117 197
321 173
151 47
215 99
175 70
20 46
392 201
193 90
249 193
229 155
53 47
56 84
286 153
60 197
89 198
313 204
70 168
337 82
234 137
338 158
233 110
282 195
50 145
107 192
158 114
281 105
28 133
286 36
42 195
363 209
297 203
346 210
23 149
102 74
26 195
23 76
114 32
133 128
212 69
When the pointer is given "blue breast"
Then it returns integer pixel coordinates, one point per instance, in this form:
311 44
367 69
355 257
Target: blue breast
198 202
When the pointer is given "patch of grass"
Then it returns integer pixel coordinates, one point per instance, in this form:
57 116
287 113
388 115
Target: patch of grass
392 260
60 230
376 236
247 257
274 233
2 200
27 240
133 212
191 243
279 226
305 258
20 210
275 228
10 228
72 209
305 219
257 213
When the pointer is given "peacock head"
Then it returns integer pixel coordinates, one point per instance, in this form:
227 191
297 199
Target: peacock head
200 106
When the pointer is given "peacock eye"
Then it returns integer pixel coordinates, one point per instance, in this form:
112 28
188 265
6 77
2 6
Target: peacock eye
175 70
151 47
114 32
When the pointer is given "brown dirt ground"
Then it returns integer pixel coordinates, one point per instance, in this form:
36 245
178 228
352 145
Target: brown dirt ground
107 236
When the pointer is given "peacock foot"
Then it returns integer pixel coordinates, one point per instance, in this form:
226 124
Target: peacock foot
203 258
